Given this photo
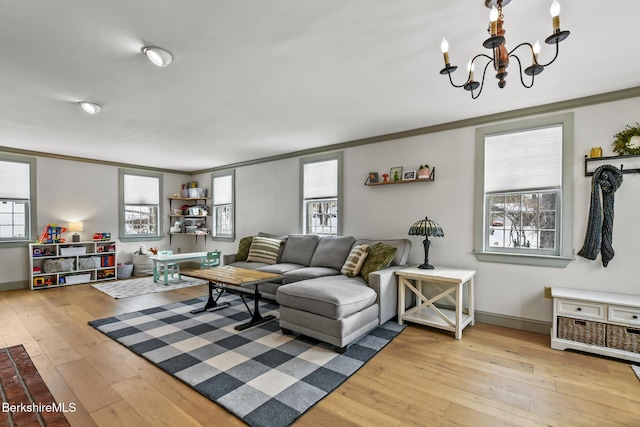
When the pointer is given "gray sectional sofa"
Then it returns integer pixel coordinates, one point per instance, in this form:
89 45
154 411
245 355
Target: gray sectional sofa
316 299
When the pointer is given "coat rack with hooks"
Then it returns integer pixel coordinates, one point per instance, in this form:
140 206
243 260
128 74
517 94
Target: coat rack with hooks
631 160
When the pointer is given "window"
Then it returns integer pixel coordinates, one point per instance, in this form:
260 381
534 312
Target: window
17 184
321 178
524 192
140 205
223 184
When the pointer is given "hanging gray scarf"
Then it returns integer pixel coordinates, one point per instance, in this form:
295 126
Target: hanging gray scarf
600 226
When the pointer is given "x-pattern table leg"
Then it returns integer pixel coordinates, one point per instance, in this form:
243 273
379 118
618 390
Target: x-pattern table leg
429 302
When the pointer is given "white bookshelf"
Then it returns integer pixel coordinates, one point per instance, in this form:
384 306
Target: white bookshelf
60 264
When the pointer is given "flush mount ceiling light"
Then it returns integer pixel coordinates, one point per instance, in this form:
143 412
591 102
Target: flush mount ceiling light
90 107
499 54
158 56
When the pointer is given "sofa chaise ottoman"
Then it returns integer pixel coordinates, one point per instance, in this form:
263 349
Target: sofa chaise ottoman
316 297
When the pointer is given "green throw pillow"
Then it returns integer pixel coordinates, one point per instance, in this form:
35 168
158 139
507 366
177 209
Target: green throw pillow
379 256
243 248
264 250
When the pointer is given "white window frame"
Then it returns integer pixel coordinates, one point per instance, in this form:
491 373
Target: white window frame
216 207
30 203
158 235
334 156
563 253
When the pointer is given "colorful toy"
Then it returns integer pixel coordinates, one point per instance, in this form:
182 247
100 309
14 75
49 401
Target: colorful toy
52 234
98 237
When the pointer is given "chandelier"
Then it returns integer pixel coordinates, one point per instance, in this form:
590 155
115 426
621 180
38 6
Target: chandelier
500 56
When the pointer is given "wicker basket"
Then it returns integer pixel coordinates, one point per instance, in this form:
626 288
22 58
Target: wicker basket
584 331
623 338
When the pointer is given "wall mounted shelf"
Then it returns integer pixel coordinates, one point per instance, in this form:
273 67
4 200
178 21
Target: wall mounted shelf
196 218
629 163
431 178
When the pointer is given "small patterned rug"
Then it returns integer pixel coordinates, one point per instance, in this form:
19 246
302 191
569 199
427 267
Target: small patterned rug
263 377
144 285
26 400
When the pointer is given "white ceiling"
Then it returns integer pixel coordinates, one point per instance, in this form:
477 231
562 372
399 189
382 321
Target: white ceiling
255 78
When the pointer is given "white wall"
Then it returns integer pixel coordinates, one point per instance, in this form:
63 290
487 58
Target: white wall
78 191
267 199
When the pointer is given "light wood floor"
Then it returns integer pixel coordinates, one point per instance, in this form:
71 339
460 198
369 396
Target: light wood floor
492 377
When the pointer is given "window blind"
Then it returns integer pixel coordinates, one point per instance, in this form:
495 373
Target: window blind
321 179
14 180
141 190
524 160
222 190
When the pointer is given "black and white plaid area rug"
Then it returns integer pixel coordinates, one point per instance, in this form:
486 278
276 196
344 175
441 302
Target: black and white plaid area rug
260 375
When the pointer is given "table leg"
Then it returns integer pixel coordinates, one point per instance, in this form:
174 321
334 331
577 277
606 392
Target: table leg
155 270
211 304
459 310
472 312
256 317
401 300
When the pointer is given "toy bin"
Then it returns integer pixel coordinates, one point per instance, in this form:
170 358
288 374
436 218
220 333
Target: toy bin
125 270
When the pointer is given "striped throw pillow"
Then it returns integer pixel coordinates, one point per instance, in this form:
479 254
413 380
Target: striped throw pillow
264 249
353 264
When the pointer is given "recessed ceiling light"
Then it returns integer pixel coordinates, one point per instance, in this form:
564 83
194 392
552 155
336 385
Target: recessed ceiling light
158 56
90 107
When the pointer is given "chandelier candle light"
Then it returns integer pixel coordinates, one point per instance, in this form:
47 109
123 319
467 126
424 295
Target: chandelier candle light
500 56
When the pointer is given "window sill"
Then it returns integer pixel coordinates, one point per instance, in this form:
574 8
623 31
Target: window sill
523 259
139 238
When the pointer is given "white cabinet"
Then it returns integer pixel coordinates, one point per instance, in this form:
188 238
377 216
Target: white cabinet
603 323
59 264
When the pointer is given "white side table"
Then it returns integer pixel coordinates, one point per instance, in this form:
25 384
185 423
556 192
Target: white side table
446 281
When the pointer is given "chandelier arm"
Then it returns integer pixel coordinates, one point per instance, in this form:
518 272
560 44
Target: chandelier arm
455 85
484 72
511 53
521 73
468 75
556 55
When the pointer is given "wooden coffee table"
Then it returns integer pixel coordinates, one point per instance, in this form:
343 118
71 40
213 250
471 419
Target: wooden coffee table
234 280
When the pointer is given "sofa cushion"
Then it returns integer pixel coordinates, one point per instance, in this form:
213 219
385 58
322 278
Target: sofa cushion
264 249
280 268
332 297
249 265
355 260
403 246
243 248
299 249
308 273
380 255
332 251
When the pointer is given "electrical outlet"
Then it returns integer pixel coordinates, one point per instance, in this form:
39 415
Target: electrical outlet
547 292
179 250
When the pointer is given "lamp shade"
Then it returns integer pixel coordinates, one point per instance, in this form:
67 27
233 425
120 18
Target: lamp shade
75 226
426 227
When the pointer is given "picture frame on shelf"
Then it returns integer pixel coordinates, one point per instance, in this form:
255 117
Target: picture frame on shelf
395 173
409 175
373 177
